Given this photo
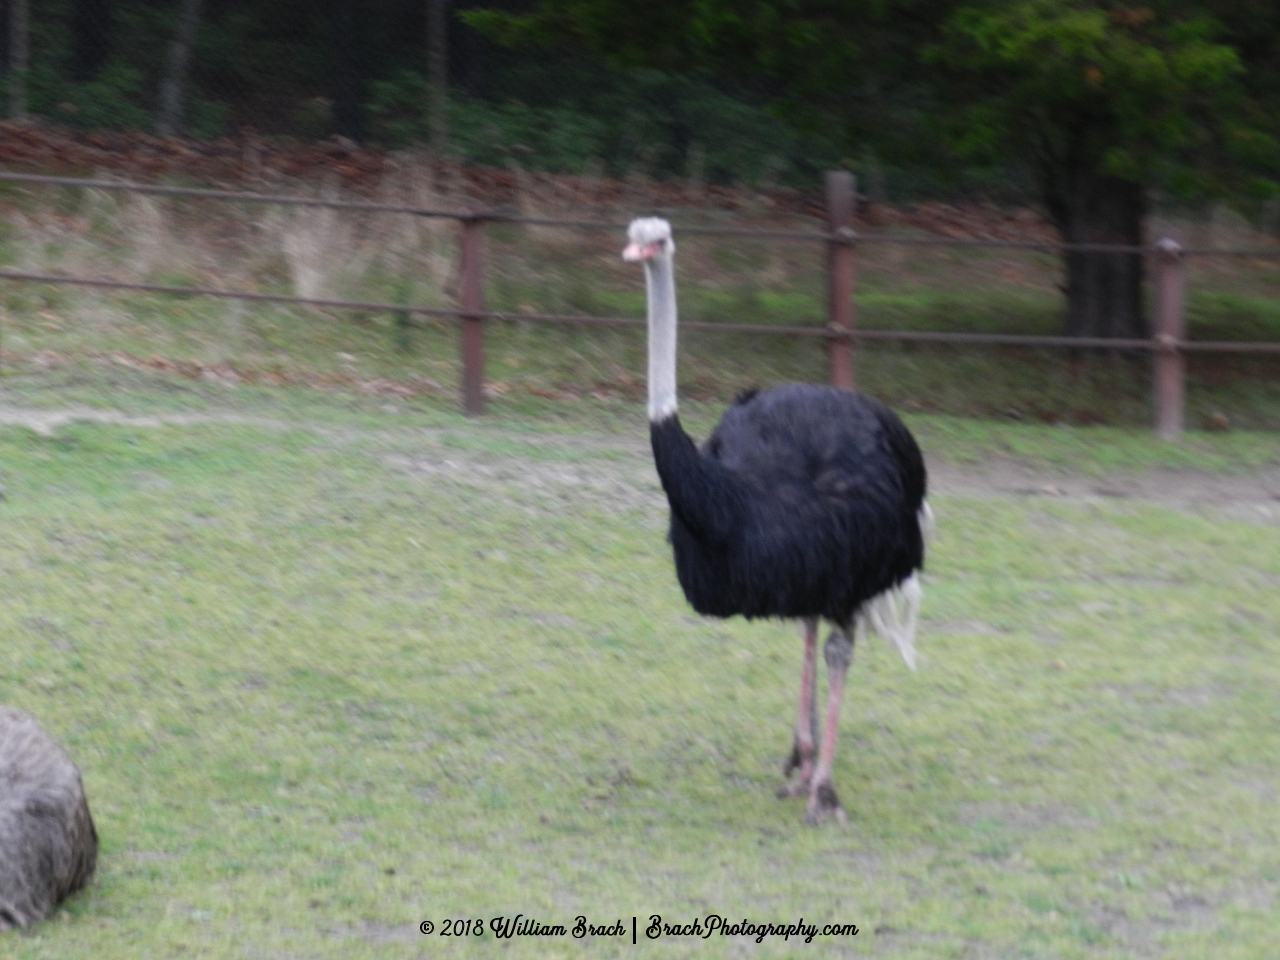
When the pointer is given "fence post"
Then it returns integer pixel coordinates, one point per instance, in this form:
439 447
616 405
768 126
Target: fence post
1171 329
840 189
471 297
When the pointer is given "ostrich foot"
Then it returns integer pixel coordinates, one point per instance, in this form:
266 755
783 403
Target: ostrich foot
824 805
798 787
801 759
795 760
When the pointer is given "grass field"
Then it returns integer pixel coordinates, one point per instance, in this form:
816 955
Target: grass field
333 667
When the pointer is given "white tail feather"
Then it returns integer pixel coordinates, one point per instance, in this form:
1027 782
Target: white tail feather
895 614
928 527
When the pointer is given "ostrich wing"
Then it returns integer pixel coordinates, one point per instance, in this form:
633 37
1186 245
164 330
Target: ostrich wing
827 444
705 496
832 485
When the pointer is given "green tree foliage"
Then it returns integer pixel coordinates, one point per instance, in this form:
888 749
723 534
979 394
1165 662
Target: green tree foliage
1098 101
1156 94
311 68
1104 102
1075 97
654 121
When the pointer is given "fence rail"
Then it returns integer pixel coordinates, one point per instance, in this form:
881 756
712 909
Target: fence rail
1169 345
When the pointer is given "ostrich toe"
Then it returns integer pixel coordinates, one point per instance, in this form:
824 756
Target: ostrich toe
824 805
802 767
794 759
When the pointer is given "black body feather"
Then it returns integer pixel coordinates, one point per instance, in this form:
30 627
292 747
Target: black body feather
803 502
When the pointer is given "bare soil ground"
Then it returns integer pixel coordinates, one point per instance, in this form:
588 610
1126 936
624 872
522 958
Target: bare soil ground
615 472
1253 497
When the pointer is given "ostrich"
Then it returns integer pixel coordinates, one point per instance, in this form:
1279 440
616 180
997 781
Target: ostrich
805 502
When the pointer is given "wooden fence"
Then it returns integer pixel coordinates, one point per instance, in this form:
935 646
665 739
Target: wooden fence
1169 343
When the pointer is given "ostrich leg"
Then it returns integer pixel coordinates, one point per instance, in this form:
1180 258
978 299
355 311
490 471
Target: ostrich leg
806 719
823 801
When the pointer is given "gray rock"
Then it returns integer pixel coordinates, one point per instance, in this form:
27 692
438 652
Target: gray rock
48 844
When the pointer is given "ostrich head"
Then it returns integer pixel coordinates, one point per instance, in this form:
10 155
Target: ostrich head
650 237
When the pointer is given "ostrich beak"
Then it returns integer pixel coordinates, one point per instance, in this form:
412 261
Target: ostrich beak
640 251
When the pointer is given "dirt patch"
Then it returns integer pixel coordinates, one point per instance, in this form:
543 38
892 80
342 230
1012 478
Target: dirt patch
1190 698
616 473
372 931
48 422
1022 817
605 485
150 856
624 479
1170 912
629 483
963 628
1252 497
542 619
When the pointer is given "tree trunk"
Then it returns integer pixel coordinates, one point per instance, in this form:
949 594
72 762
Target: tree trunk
91 23
1104 289
169 117
438 75
19 54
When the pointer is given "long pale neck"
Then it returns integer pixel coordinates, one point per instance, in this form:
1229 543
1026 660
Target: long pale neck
661 283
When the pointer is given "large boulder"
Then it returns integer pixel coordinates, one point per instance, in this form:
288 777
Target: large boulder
48 844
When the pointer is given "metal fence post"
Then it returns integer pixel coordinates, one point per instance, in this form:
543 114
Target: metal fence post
471 296
1171 330
840 189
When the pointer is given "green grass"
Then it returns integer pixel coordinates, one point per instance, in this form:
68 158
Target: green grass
331 678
